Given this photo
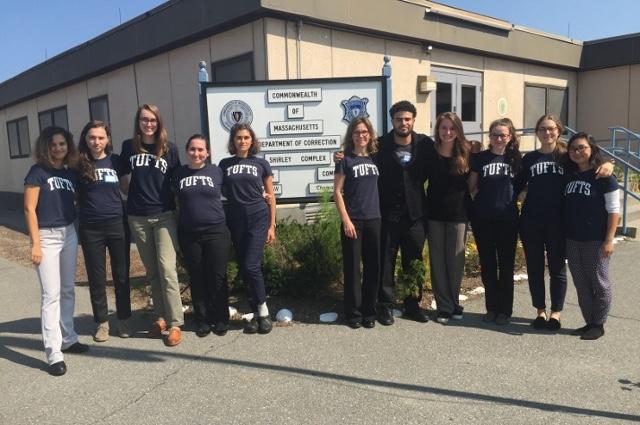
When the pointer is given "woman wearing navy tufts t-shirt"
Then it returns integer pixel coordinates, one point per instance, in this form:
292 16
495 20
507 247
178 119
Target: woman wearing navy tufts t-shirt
592 211
151 160
494 217
102 227
252 222
49 192
356 194
204 237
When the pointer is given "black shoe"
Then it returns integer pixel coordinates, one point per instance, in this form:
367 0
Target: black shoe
580 331
457 313
57 369
443 317
220 329
264 325
385 316
553 325
369 323
594 332
354 323
251 327
417 315
76 348
539 323
202 329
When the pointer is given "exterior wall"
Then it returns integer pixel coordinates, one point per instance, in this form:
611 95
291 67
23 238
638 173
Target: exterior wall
619 89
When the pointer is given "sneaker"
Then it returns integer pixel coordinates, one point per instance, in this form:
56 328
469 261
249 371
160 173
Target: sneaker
77 348
57 369
174 337
489 317
502 319
457 313
443 317
157 328
264 325
123 329
102 332
385 316
594 332
580 331
251 327
368 323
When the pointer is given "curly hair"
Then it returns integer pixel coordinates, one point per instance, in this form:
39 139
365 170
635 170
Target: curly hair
42 148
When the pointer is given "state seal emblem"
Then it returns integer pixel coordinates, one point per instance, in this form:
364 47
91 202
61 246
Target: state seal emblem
354 107
235 112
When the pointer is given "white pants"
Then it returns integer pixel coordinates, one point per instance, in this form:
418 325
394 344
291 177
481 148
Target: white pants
57 272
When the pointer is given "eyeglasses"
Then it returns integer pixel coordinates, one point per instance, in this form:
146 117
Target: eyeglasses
499 135
147 121
579 149
361 133
545 129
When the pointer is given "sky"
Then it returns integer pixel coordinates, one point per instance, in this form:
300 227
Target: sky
34 30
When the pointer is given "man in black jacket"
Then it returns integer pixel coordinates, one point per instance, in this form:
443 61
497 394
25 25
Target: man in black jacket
402 161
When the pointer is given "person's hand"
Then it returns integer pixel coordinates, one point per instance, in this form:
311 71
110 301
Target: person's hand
607 248
350 230
267 198
36 254
338 156
271 235
605 170
476 146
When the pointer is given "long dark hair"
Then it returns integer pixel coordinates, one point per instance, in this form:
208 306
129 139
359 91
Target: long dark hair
41 151
86 161
460 152
160 137
512 154
372 147
255 144
595 159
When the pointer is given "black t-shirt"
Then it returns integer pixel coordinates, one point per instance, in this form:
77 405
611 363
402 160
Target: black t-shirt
585 215
447 194
544 179
100 200
244 184
494 199
200 196
150 188
403 154
56 197
360 187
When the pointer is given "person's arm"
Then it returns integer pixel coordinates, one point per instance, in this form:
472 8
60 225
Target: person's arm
612 205
124 185
605 170
472 181
338 185
268 188
338 156
30 203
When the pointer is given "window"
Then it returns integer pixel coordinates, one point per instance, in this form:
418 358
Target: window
18 135
239 68
541 100
99 109
54 117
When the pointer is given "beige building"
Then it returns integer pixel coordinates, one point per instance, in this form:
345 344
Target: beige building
442 59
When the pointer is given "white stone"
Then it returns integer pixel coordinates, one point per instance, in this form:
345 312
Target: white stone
434 306
397 313
328 317
477 291
462 297
247 317
284 315
232 311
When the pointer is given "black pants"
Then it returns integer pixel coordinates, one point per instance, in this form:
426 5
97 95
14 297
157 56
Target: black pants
538 237
206 254
96 238
496 241
407 236
249 234
360 293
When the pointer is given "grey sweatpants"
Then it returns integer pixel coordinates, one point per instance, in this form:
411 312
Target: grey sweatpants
590 272
446 256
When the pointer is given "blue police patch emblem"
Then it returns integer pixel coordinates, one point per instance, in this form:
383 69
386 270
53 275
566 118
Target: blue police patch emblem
235 112
354 107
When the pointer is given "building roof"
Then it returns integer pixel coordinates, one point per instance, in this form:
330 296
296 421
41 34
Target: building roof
180 22
611 51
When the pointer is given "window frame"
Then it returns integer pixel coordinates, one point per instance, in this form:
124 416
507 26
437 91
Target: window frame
51 112
230 61
546 88
17 121
96 99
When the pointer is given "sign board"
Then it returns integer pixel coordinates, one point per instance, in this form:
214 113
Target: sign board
299 123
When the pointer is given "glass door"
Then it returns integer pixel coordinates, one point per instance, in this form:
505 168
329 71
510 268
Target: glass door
460 92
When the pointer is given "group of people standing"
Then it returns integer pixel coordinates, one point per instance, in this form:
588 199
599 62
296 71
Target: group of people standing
571 210
379 193
150 174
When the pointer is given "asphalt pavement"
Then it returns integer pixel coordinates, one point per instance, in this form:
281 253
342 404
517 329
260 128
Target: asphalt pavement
408 373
